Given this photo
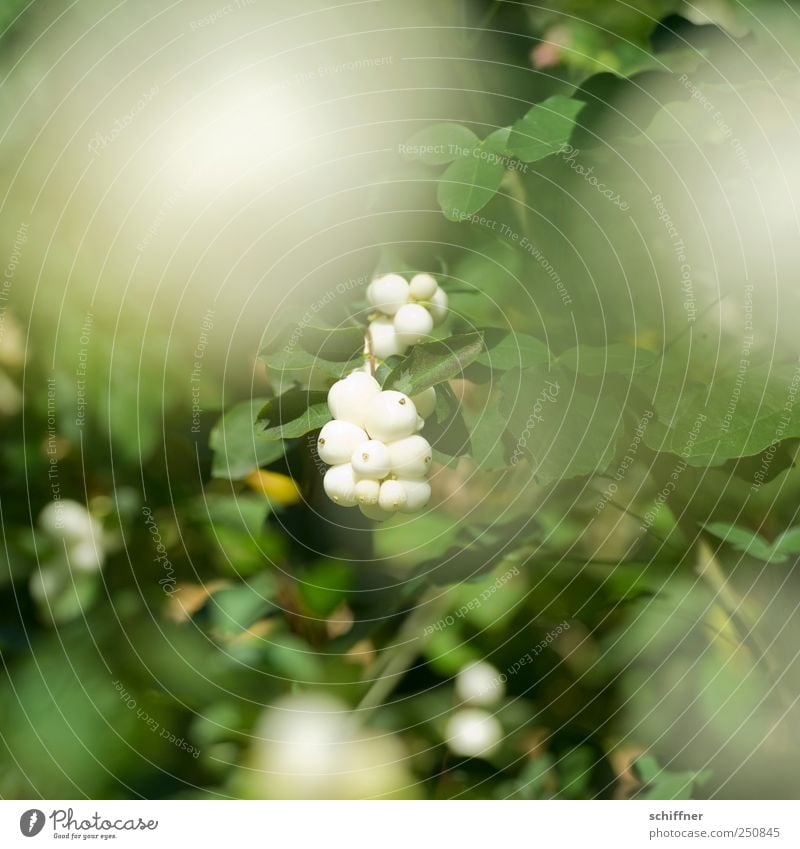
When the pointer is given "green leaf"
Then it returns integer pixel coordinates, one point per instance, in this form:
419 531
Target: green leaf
617 358
293 414
752 543
505 350
299 365
471 181
544 129
434 362
440 144
566 428
235 608
340 344
237 451
663 784
737 415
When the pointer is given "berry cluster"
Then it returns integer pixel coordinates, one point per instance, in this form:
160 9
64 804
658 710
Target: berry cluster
408 312
378 459
472 731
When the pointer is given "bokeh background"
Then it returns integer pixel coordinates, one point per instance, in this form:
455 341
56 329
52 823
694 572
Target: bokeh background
183 181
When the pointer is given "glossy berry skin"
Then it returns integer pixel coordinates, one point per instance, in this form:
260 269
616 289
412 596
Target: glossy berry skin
348 398
340 485
473 733
410 457
390 416
438 306
418 494
422 287
412 324
392 496
371 459
337 441
384 340
388 293
367 492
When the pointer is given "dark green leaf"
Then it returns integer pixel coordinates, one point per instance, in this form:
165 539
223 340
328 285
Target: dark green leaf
505 350
544 129
293 414
435 362
237 450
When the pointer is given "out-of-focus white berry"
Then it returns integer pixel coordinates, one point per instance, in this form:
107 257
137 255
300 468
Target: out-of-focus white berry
438 306
410 457
348 398
367 492
425 402
70 521
422 287
392 496
388 293
385 341
337 441
85 556
418 494
479 683
372 459
377 514
390 416
473 733
340 485
412 323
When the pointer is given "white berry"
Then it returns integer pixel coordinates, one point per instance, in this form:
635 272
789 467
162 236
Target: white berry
410 457
388 293
68 520
422 287
425 402
385 341
412 323
418 494
372 459
473 733
367 492
85 557
392 496
438 306
390 416
479 683
337 441
348 398
340 485
377 514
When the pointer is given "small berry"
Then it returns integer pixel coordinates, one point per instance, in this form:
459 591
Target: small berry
410 457
372 459
473 733
68 520
438 306
367 492
347 398
425 402
422 287
392 496
337 441
389 416
479 683
418 494
85 557
412 324
385 341
388 293
340 485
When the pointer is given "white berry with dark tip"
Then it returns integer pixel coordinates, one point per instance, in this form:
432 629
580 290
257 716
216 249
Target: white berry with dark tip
348 398
410 457
337 441
390 416
372 459
340 485
393 496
